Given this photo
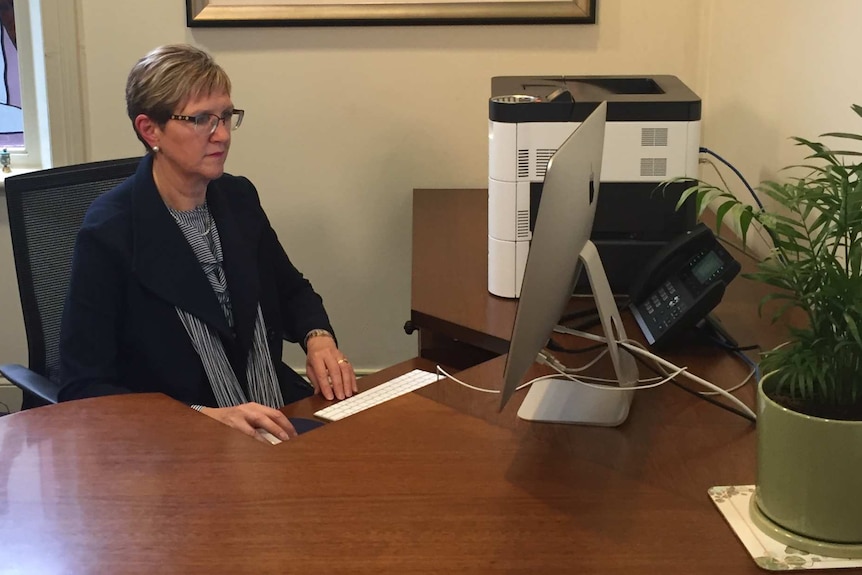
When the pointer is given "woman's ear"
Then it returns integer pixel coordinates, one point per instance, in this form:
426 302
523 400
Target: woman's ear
148 130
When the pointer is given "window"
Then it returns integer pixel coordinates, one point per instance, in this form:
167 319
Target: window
11 117
39 41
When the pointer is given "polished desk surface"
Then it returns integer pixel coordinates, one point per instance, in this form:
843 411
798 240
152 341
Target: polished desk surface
143 484
440 483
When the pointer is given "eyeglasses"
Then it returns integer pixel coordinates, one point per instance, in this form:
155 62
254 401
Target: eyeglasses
208 123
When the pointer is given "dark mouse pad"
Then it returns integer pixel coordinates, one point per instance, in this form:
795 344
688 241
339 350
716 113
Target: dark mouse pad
302 424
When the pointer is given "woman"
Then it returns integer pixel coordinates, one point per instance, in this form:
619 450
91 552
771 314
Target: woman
179 284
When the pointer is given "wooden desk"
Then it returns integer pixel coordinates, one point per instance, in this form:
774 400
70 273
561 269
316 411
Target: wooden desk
673 447
459 319
450 299
142 484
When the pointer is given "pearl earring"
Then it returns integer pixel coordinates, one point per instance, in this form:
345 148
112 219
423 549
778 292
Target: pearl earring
155 149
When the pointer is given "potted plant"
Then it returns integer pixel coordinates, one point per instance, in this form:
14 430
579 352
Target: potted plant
810 398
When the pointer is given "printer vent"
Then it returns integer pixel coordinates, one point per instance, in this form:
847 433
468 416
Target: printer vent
543 156
523 225
523 163
653 167
654 137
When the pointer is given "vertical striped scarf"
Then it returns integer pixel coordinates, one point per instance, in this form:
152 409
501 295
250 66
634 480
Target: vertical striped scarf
200 231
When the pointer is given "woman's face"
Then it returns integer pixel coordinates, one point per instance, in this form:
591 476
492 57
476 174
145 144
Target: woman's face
191 155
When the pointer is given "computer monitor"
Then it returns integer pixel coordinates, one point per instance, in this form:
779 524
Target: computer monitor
559 248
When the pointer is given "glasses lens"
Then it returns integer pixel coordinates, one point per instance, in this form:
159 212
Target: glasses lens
210 122
236 119
204 122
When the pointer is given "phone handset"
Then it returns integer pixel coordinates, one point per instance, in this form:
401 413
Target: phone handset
681 284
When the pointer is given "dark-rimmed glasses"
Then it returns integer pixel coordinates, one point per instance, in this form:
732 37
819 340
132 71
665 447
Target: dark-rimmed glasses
208 123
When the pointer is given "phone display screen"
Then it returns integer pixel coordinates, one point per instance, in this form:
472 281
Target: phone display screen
708 265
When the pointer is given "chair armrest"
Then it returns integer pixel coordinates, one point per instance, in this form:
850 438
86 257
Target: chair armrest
31 381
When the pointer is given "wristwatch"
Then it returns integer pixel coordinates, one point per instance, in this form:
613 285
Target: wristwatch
317 333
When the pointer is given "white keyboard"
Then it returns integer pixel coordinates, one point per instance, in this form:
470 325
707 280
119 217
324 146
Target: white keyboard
391 389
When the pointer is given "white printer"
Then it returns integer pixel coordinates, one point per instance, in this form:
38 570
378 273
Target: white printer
652 134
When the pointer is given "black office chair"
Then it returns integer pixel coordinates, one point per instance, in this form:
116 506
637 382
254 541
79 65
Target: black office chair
45 211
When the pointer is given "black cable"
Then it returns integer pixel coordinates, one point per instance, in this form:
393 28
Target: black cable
579 314
718 339
723 344
735 171
742 347
587 324
554 346
751 191
728 347
589 319
591 311
687 389
738 351
7 408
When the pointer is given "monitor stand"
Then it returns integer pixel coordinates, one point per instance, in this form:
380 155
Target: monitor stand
565 401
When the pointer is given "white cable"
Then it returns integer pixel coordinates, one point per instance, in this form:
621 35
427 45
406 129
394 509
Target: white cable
722 391
569 377
716 389
728 389
665 363
610 380
607 387
632 346
636 347
735 387
555 363
547 358
473 387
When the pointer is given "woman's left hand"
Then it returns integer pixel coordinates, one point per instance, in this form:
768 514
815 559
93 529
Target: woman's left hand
329 371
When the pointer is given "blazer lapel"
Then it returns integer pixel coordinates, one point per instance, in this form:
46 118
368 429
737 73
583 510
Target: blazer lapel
163 260
239 229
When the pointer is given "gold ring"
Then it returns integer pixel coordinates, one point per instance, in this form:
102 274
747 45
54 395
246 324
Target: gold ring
342 360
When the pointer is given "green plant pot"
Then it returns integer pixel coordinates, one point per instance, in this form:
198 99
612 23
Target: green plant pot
809 475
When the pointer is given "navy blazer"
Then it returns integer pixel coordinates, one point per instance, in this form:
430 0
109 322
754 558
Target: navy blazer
133 267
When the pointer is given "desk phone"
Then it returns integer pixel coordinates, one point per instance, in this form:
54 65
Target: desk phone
683 282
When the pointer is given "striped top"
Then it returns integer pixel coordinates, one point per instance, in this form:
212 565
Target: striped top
199 229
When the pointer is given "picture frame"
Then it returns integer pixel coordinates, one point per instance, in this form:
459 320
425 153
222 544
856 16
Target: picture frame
259 13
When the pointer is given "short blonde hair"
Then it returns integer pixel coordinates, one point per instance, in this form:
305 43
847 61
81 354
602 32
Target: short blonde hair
167 78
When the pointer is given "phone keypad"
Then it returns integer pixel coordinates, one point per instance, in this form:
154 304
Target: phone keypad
663 307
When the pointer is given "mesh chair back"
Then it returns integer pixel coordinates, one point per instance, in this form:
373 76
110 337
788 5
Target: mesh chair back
45 212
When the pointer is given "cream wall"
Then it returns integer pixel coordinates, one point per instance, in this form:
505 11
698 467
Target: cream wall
343 123
775 69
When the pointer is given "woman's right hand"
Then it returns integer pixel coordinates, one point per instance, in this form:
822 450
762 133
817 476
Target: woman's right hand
249 417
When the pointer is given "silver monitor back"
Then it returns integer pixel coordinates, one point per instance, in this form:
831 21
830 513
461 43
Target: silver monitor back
559 246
